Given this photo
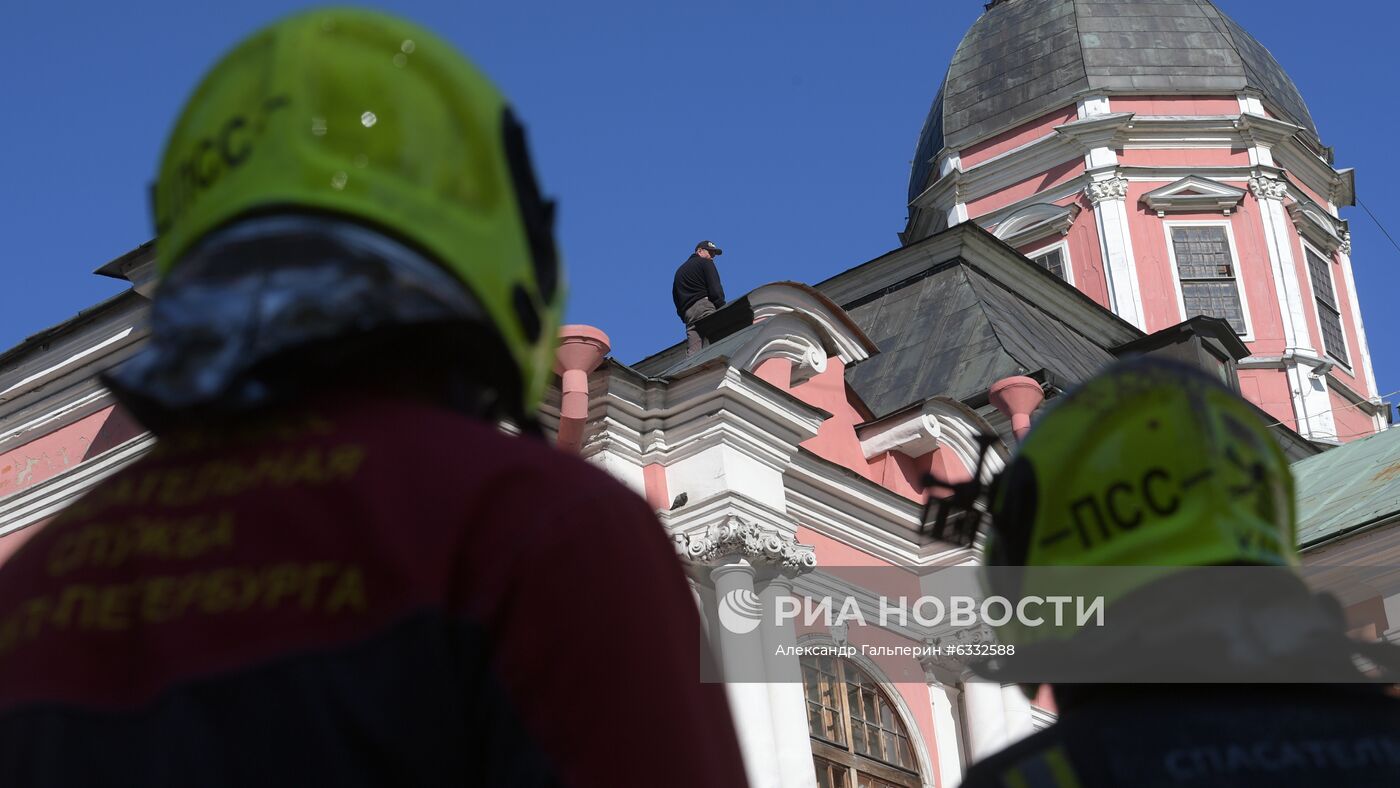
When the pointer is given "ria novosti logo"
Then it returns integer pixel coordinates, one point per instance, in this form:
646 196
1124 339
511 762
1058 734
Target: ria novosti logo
740 611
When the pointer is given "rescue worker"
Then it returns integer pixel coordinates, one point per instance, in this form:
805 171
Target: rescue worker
697 292
1157 489
335 568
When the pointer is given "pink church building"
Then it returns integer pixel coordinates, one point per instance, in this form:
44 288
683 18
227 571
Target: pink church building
1095 179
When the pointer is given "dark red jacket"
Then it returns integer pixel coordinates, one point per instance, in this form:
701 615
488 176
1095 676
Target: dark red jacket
364 593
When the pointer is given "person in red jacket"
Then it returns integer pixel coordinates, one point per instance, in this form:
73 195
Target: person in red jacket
336 567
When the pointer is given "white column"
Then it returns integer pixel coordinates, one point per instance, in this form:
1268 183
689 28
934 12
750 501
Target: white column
986 717
741 656
1018 713
793 747
947 731
1108 193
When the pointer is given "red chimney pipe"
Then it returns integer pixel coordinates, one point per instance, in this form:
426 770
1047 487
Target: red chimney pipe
581 350
1017 397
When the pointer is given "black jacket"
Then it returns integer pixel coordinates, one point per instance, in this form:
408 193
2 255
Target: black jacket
696 279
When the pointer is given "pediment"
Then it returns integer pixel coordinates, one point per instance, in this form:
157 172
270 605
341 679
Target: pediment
1316 225
1034 222
1194 194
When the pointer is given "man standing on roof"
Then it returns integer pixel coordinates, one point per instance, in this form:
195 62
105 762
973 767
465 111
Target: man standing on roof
697 291
335 568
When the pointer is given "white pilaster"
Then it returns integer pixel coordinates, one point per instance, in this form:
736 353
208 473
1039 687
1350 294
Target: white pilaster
741 654
1108 193
1278 237
986 717
793 747
1018 713
947 731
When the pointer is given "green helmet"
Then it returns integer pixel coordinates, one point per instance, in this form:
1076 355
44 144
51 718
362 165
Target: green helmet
359 115
1153 465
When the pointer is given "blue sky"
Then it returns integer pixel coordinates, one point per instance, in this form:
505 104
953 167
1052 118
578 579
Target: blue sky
782 130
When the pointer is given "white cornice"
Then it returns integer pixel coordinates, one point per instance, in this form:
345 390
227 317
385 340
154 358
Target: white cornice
1125 130
49 497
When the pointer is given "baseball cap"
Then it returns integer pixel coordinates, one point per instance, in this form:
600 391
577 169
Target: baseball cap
710 247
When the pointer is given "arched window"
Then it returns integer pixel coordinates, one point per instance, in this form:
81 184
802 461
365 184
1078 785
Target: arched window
858 740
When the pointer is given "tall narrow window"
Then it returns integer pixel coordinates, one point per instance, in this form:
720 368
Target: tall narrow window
1207 272
858 740
1329 315
1052 260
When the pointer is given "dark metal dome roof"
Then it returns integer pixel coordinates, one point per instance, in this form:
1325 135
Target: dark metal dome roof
1023 58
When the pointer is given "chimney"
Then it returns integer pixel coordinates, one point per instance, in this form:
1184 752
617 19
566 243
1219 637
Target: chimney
1017 397
581 350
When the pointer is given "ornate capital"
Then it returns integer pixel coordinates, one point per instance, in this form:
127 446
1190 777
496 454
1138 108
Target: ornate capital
944 668
735 537
1345 248
1115 188
1265 188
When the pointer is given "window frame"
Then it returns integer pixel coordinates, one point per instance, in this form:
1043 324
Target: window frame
846 756
1327 260
1062 246
1167 226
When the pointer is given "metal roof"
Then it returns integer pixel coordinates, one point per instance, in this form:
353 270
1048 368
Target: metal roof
1349 488
956 332
1024 58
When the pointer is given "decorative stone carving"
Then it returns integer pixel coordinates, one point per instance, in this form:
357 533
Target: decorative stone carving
1115 188
749 540
1346 243
944 668
1265 188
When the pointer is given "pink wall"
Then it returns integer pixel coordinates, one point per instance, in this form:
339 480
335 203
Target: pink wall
1175 105
1183 157
1268 388
52 454
836 437
1054 176
1351 422
1015 138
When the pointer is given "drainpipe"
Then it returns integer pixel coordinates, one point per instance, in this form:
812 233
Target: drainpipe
1017 397
581 350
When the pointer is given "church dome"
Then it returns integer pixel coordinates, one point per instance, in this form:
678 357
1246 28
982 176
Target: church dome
1024 58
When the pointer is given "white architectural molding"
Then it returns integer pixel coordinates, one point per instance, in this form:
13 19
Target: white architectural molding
1312 404
735 537
1316 225
1267 188
1113 187
839 334
788 336
1269 193
47 498
1193 194
1107 191
1097 136
937 422
1036 221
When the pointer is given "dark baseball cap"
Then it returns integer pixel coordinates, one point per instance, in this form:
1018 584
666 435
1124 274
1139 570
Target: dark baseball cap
710 247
